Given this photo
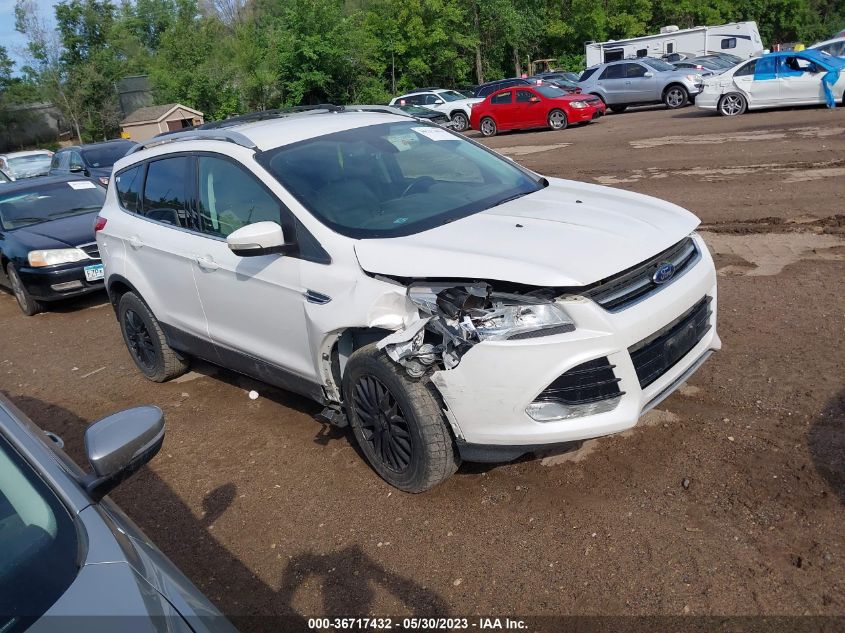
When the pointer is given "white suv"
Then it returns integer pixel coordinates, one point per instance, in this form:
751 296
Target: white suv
453 103
444 301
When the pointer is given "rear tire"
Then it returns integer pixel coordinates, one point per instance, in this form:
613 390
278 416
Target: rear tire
675 97
28 305
732 104
146 342
460 122
398 422
618 109
557 120
487 127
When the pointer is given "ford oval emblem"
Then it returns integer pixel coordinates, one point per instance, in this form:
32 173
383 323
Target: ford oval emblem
664 273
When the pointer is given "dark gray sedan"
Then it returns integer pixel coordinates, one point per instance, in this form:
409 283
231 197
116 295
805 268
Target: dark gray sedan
70 560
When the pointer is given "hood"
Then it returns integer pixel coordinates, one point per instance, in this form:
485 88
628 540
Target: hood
59 233
568 234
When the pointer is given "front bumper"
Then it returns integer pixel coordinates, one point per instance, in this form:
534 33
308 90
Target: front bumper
487 393
52 283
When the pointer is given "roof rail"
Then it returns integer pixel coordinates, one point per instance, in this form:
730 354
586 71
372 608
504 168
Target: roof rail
416 90
264 115
196 135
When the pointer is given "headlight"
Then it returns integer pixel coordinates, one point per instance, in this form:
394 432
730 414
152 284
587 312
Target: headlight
578 104
492 316
696 79
55 256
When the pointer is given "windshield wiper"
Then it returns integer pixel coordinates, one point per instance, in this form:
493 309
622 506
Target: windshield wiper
510 198
28 220
74 211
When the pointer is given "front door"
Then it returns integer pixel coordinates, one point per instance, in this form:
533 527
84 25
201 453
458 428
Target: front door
254 305
528 113
800 80
640 87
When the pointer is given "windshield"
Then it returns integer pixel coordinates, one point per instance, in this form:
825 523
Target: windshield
38 547
50 201
657 64
450 95
395 179
550 92
105 155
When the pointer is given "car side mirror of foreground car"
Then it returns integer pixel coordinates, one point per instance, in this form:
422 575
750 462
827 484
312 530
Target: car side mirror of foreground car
261 238
119 444
648 73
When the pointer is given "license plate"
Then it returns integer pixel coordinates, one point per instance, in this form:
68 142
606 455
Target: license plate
94 272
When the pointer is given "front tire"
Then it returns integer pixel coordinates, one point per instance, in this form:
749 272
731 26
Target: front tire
146 342
398 422
732 104
557 120
618 109
28 305
675 97
487 127
460 122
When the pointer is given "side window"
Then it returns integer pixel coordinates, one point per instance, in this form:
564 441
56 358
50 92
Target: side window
166 192
634 70
57 157
502 98
616 71
765 68
670 47
431 99
643 52
523 96
587 74
747 69
128 185
76 160
65 161
230 197
483 92
728 42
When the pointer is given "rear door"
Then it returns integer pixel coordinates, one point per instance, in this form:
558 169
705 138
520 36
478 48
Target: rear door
502 109
613 80
763 87
160 240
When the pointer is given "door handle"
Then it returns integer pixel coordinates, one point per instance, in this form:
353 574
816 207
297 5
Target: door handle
135 243
206 263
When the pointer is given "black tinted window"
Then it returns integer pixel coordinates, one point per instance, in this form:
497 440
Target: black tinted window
166 192
617 71
106 155
128 185
231 198
728 42
587 74
635 70
748 69
37 544
501 98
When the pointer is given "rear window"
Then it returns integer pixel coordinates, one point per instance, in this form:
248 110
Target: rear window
38 548
49 202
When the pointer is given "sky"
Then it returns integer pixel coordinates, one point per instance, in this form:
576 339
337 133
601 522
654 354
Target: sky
9 37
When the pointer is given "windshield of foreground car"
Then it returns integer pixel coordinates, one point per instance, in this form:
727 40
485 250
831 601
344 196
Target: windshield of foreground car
657 64
50 201
106 155
394 179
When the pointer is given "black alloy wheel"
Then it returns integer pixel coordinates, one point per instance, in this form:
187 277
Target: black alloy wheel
383 424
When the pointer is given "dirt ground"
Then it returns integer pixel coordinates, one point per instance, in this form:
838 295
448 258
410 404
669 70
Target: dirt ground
727 500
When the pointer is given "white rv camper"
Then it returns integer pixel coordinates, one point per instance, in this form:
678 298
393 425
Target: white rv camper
737 38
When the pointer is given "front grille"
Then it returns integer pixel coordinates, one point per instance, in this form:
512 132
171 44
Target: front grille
588 382
91 250
654 356
628 287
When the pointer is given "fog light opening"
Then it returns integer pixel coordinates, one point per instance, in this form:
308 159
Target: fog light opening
554 411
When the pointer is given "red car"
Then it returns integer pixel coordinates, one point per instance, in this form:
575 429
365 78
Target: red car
523 107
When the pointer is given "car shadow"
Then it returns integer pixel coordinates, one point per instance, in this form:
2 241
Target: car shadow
826 442
348 578
75 304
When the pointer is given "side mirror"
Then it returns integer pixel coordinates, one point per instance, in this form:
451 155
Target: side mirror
261 238
119 444
648 73
439 102
76 168
534 100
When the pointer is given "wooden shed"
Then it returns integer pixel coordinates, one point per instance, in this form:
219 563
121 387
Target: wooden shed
145 123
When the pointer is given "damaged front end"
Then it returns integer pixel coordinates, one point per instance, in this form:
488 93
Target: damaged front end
453 317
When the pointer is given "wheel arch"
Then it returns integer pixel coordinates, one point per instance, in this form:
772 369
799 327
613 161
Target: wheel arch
673 84
118 286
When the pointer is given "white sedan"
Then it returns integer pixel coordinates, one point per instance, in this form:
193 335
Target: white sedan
776 80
